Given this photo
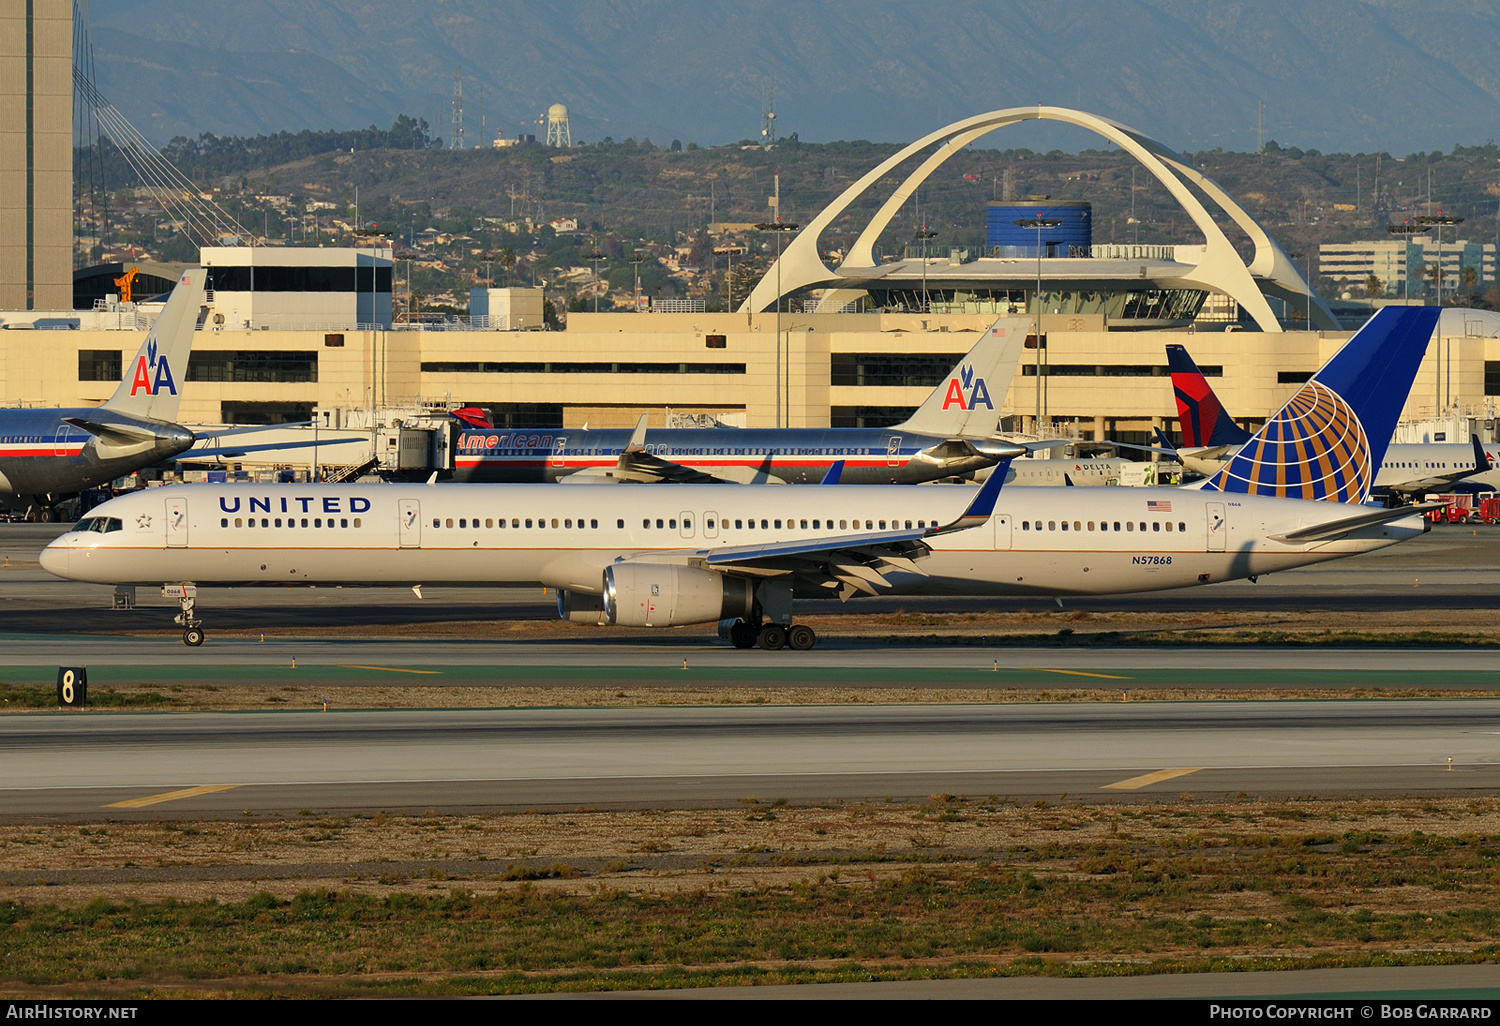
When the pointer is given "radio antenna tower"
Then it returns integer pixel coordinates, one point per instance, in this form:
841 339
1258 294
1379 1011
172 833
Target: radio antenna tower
768 114
458 108
1260 129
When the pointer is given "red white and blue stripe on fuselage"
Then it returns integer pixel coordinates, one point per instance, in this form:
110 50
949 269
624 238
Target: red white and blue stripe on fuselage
496 455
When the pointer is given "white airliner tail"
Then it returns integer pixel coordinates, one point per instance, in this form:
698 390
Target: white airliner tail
151 385
968 402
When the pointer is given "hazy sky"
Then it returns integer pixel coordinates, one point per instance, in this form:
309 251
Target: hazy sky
1397 75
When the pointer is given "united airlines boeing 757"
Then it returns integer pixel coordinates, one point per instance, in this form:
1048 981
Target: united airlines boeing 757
663 557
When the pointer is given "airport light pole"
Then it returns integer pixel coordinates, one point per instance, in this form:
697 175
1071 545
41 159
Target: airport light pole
924 233
1438 221
729 251
1406 229
780 227
1038 223
636 259
596 256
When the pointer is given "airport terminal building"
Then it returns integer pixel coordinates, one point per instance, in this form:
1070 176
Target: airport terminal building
288 332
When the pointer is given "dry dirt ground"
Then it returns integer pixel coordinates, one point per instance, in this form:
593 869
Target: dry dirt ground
761 892
762 842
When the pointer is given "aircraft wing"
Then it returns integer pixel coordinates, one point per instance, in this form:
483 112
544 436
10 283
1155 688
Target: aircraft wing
851 563
644 466
1342 526
1426 484
639 466
230 451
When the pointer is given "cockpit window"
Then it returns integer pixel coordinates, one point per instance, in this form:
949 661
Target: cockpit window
101 525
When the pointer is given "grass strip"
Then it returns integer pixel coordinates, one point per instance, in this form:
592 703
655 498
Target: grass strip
1160 889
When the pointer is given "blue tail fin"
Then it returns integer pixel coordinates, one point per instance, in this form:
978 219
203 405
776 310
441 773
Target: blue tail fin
1328 441
1202 419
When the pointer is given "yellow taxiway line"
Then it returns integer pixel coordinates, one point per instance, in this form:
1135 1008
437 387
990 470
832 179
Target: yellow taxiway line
1135 783
1079 673
387 669
170 796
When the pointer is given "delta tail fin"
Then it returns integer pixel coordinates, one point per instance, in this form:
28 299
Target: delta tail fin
152 383
967 402
1199 412
1328 441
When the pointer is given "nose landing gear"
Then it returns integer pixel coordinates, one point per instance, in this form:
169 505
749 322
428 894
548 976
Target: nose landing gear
187 596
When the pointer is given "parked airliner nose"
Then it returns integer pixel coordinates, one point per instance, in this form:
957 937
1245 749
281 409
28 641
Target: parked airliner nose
55 559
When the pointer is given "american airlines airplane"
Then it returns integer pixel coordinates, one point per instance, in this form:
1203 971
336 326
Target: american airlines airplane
1210 437
664 557
48 455
950 435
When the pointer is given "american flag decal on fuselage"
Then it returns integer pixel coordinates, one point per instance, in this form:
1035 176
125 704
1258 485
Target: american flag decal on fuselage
1156 506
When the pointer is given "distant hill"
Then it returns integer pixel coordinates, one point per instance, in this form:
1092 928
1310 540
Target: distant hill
1351 75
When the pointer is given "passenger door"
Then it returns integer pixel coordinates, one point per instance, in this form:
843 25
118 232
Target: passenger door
893 451
410 528
1002 531
177 523
1218 527
710 524
686 521
559 446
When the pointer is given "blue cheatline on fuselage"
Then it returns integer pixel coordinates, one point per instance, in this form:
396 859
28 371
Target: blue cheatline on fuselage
793 455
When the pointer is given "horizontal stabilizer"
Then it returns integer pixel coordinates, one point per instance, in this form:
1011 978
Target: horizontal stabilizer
119 435
1333 529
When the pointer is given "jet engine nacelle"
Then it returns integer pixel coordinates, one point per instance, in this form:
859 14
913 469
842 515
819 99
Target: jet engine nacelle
580 608
661 595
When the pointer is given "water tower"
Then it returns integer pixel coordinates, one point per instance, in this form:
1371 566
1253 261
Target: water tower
557 127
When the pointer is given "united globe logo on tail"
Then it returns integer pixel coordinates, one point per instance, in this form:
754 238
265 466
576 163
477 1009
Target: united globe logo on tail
967 391
152 375
1315 448
1327 441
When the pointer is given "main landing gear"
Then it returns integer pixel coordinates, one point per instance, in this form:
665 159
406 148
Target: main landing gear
772 636
192 634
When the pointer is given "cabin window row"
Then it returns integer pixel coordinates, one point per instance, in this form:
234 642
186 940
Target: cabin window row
1103 525
500 523
318 522
792 524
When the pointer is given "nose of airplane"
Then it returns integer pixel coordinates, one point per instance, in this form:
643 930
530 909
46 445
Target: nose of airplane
55 559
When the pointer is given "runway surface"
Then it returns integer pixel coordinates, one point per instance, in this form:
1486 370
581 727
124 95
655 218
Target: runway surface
1452 568
699 662
186 765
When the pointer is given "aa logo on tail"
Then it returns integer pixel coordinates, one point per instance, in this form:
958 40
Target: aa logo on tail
153 375
966 391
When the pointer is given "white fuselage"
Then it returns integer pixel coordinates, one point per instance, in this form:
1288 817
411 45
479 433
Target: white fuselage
1050 541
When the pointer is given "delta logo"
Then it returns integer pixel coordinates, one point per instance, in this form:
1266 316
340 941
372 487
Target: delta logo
967 392
153 375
